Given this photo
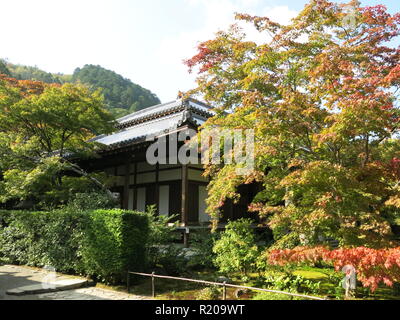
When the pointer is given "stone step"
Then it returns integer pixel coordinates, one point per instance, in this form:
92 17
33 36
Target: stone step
61 285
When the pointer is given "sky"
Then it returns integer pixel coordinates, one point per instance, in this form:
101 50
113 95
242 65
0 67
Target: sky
144 41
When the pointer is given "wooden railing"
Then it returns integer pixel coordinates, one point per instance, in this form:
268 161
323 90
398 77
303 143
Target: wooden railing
224 285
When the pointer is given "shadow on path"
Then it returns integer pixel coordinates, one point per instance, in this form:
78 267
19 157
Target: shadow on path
12 277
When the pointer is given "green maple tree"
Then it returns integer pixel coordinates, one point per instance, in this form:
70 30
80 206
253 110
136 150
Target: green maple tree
41 127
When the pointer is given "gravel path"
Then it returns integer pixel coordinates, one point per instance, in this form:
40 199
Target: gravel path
16 276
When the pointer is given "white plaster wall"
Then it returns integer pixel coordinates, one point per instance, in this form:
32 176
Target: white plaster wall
170 175
130 199
149 177
141 199
203 216
164 200
196 175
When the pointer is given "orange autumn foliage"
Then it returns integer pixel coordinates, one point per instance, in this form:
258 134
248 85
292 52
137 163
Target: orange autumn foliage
373 266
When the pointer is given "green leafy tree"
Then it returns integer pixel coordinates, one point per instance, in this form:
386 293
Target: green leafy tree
22 72
41 128
321 94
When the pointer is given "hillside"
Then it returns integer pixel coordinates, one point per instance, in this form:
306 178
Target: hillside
122 96
4 69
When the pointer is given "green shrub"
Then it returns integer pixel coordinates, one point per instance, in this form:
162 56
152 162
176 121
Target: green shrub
161 228
161 251
60 240
41 238
114 242
292 283
172 260
161 235
236 250
202 243
209 293
20 237
101 243
91 201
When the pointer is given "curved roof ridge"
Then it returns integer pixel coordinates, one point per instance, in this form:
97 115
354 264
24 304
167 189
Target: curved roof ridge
146 110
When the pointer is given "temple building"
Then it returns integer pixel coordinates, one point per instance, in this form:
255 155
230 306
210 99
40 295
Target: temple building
173 187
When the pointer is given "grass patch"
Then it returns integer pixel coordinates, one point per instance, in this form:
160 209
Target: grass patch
311 275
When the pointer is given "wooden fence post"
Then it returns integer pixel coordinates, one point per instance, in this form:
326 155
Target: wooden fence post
153 291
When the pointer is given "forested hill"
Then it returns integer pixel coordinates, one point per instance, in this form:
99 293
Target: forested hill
122 96
4 69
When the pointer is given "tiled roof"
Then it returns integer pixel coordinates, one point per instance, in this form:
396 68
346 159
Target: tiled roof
161 110
155 120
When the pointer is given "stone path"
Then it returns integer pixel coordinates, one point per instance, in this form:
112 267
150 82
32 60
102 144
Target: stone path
50 286
89 294
12 277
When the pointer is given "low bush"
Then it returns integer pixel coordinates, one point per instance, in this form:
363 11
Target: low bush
209 293
292 283
42 238
162 254
91 201
202 243
172 260
101 243
161 235
236 250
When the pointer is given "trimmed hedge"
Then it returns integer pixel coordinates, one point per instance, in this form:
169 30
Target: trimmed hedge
42 238
114 242
102 244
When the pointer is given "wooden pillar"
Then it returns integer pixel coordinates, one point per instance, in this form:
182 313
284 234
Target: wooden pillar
185 203
126 184
157 188
121 205
134 186
115 175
